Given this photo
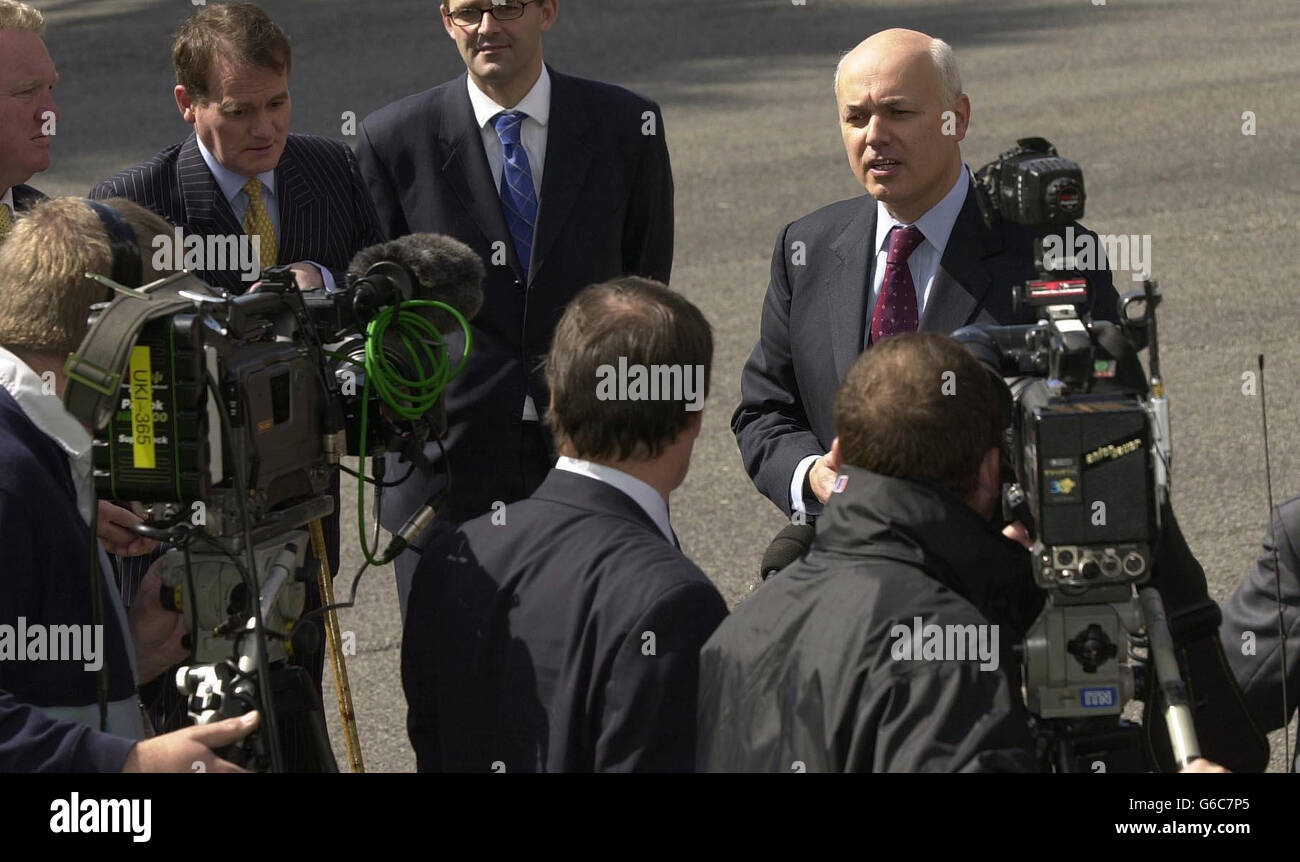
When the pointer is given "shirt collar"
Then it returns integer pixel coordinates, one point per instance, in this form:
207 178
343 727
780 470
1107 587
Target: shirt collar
644 496
231 183
45 410
537 104
936 224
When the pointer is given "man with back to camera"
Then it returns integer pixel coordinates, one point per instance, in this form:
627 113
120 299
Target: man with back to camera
27 109
49 712
906 534
557 183
562 632
913 253
832 664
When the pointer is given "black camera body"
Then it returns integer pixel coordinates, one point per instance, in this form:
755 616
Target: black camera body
260 362
1087 442
1030 184
228 415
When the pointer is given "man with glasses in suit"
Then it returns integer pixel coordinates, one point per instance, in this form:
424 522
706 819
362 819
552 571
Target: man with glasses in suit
557 182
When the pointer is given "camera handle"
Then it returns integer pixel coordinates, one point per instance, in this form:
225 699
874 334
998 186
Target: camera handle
1178 711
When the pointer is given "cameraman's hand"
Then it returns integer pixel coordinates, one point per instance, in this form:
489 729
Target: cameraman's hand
156 631
190 748
1200 764
821 477
1016 532
114 529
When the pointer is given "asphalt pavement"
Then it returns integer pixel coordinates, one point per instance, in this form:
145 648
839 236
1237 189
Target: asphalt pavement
1156 99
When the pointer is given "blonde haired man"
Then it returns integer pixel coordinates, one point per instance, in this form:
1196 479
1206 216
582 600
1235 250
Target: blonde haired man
52 713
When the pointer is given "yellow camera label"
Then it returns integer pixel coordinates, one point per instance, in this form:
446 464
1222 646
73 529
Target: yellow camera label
141 375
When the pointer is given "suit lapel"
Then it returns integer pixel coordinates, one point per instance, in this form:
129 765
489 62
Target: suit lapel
295 199
465 168
206 210
963 278
847 293
568 158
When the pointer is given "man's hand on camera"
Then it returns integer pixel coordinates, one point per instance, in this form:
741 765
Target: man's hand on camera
1016 532
1200 764
190 749
115 533
821 477
156 631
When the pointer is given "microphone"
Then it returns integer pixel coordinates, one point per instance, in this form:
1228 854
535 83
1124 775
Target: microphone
417 266
790 544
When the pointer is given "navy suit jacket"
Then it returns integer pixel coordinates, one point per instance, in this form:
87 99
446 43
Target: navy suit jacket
606 209
565 639
815 318
25 197
326 214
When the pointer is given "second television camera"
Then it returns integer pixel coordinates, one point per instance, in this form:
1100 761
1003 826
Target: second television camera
1088 439
228 415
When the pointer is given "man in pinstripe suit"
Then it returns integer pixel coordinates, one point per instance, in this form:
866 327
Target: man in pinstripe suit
232 69
242 174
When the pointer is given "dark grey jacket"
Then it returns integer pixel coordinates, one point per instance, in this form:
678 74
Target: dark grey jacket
1253 610
803 674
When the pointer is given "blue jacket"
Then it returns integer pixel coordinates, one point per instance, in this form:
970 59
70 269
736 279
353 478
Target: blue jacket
47 706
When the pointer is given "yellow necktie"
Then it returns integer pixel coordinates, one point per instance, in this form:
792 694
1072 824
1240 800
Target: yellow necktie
5 222
257 222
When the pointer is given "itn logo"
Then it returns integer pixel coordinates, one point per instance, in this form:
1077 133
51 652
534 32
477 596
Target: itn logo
1094 698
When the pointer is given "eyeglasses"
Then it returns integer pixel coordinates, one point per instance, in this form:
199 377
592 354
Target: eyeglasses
472 16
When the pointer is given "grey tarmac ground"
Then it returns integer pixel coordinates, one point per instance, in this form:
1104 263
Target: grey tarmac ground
1147 96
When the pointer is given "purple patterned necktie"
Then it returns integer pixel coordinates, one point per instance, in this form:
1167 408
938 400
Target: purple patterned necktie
896 306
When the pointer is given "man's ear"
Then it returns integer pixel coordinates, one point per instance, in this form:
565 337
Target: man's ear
550 11
694 422
446 22
961 109
185 103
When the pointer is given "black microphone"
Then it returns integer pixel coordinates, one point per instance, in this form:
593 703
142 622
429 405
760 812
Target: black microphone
790 544
418 266
425 266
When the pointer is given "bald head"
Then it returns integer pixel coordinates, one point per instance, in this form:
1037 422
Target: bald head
909 43
902 116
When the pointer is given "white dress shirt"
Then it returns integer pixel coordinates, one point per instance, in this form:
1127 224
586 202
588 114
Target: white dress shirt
646 497
532 134
532 131
923 264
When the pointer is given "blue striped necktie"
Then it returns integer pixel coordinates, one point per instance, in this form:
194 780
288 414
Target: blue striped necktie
518 197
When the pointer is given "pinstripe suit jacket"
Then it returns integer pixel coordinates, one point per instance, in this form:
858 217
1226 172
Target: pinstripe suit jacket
326 214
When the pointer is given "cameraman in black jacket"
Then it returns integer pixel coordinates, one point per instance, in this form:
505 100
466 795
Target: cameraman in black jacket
888 648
